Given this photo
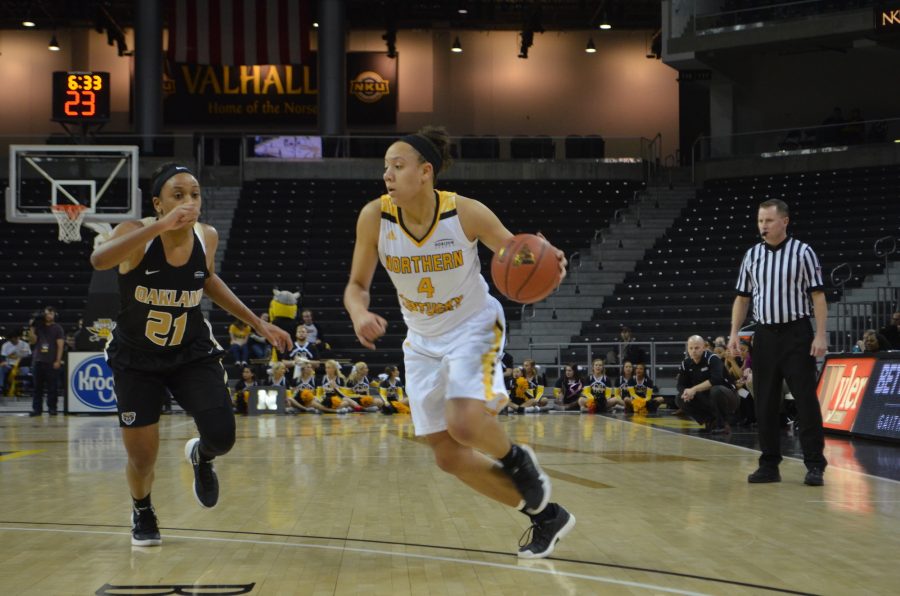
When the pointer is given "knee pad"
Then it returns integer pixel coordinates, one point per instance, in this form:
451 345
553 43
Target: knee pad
217 431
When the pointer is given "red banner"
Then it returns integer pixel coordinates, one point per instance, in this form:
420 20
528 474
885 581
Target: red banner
841 388
236 32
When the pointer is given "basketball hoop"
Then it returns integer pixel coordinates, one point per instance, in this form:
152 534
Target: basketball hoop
69 218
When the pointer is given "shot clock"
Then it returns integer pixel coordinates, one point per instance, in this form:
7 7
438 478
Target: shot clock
80 96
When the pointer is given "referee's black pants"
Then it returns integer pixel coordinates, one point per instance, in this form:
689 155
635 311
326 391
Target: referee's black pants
781 352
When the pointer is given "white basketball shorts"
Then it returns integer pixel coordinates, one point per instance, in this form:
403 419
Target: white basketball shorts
462 363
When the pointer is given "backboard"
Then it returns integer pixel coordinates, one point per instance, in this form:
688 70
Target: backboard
103 178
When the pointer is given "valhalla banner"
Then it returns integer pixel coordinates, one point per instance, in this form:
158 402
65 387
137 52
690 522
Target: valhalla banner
277 93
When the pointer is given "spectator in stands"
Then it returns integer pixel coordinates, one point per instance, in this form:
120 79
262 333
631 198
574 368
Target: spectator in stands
391 390
358 382
533 375
17 353
314 332
48 339
241 393
892 331
568 389
627 350
303 350
239 348
258 346
330 386
703 390
872 341
641 391
599 395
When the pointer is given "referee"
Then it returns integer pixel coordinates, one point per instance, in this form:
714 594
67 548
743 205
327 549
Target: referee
778 274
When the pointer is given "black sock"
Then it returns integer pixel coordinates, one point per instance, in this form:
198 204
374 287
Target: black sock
141 503
548 513
510 459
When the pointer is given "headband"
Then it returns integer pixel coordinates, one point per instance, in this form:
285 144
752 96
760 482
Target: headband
426 149
164 176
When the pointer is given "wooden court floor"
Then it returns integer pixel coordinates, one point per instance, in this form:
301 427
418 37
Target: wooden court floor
354 505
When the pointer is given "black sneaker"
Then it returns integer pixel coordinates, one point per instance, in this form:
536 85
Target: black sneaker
540 539
530 480
206 484
144 527
762 475
815 477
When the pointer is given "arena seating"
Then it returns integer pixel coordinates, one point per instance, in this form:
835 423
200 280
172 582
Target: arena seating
298 235
685 283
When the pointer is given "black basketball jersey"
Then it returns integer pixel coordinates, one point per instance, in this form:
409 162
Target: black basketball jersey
160 304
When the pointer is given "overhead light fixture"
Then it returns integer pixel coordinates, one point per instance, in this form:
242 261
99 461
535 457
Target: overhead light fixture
604 24
527 42
591 48
28 23
462 7
54 45
316 24
457 47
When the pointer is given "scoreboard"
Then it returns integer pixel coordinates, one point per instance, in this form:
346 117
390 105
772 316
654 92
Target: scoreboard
80 96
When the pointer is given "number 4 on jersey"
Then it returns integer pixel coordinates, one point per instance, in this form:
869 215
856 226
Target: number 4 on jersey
425 287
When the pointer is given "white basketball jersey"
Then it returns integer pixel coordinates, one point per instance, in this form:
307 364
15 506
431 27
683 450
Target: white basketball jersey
438 277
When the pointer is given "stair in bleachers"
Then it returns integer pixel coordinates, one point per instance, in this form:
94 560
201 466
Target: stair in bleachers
685 284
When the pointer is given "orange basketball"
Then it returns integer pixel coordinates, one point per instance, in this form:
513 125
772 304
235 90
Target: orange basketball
525 269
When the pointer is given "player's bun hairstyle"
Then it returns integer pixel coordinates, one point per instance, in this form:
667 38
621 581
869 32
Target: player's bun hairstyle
441 140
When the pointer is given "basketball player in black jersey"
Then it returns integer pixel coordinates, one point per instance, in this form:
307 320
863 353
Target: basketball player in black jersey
162 342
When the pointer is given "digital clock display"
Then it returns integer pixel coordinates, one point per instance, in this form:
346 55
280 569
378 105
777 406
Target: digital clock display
80 96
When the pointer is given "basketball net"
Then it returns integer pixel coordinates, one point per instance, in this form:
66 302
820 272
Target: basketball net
69 218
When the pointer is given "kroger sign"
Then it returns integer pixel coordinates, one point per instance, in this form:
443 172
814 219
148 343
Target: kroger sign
92 383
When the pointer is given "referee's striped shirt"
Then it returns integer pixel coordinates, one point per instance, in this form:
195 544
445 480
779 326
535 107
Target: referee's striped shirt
779 279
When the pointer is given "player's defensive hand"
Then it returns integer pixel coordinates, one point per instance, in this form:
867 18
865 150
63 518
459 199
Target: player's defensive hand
369 327
276 336
182 216
560 256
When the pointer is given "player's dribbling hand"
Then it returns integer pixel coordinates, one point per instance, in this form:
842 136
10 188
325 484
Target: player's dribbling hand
560 256
369 328
182 216
276 336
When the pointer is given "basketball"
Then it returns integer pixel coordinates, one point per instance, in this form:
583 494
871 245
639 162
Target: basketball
525 269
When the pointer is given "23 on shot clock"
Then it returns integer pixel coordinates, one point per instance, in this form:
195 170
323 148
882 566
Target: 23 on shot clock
80 96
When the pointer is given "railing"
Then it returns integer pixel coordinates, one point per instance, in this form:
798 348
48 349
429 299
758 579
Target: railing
853 318
694 23
808 140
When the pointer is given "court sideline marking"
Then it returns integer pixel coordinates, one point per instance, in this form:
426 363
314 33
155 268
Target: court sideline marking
595 578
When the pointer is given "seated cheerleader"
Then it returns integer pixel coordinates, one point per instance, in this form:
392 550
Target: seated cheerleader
599 395
241 395
330 386
358 383
640 392
391 390
305 397
521 395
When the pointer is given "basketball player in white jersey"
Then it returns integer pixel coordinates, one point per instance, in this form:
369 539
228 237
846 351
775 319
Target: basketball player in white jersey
162 343
427 240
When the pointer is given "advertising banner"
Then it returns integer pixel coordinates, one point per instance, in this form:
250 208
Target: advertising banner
879 415
90 386
842 386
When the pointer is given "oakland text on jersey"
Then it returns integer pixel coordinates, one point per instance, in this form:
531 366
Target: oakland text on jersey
173 298
444 261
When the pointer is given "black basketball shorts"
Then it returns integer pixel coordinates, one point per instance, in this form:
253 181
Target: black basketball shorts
195 379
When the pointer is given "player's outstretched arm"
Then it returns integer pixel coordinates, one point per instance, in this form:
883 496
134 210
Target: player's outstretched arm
367 325
126 244
219 292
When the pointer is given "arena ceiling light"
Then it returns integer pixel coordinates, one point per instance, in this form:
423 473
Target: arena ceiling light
591 48
28 23
457 47
54 44
604 24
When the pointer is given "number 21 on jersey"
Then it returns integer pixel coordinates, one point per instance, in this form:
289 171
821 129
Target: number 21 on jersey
165 330
425 287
